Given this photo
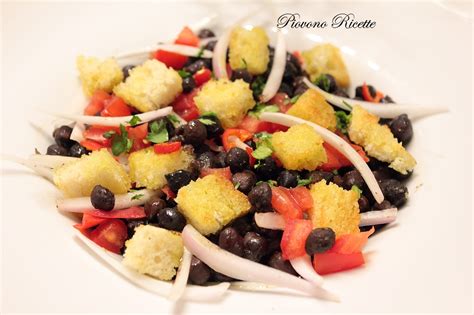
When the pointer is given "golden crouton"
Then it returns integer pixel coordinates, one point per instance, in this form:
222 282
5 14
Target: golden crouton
313 107
98 74
154 251
150 86
211 202
249 49
334 207
378 141
78 178
326 58
229 100
148 169
299 148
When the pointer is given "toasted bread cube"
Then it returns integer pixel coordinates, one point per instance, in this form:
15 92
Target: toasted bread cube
326 59
78 178
334 207
98 74
150 86
313 107
148 169
229 100
378 141
154 251
299 148
249 49
211 202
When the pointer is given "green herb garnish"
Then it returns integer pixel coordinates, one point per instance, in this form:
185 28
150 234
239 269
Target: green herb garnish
257 86
270 182
137 196
158 132
207 121
174 120
135 120
200 52
184 74
294 99
120 142
236 186
108 134
303 181
264 146
357 190
323 82
260 108
342 121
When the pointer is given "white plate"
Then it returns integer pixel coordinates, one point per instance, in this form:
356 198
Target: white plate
422 53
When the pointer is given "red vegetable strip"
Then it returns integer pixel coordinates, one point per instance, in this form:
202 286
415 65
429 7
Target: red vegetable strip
168 147
129 213
294 238
351 243
326 263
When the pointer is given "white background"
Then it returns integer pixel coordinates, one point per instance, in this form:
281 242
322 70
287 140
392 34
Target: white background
423 52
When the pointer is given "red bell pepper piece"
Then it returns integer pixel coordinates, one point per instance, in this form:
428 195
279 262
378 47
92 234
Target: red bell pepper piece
110 234
88 221
96 134
298 56
254 125
168 192
92 145
115 107
171 59
97 102
294 238
231 136
187 37
202 76
224 172
337 160
129 213
284 203
345 254
326 263
302 196
167 147
185 107
368 97
138 135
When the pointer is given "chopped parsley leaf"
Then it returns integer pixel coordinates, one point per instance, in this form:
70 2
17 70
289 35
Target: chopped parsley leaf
323 82
342 121
303 181
137 197
184 74
257 86
120 142
134 121
108 134
356 189
294 99
158 132
260 108
200 52
264 146
207 121
174 120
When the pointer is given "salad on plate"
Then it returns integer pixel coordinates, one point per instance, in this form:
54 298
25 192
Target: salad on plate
219 161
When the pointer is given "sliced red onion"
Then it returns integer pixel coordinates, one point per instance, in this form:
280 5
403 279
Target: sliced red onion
179 286
124 201
381 110
43 171
239 268
278 68
378 217
77 133
116 121
50 161
270 220
161 288
335 141
184 50
304 268
220 53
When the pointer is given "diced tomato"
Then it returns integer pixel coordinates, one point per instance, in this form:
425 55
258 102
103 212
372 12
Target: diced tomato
368 96
96 134
171 59
328 262
129 213
294 238
187 37
202 76
91 145
167 147
298 56
254 125
88 221
351 243
110 234
96 104
282 101
337 160
185 107
138 135
115 107
168 192
284 203
224 172
302 197
231 136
